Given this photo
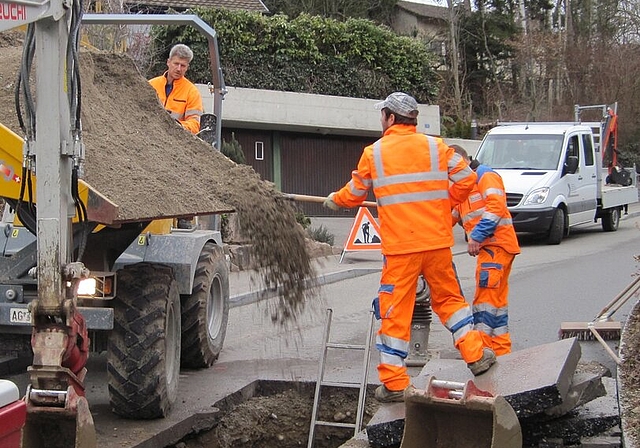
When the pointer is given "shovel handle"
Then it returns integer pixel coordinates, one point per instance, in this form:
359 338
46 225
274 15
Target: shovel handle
320 199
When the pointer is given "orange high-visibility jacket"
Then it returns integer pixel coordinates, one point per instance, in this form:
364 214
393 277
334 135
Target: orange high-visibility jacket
485 216
416 180
184 102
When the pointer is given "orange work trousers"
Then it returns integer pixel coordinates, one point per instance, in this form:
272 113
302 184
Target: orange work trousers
490 303
394 307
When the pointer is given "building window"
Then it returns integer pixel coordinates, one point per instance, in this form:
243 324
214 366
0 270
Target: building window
259 151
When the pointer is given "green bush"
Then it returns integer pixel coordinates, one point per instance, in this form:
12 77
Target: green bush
311 54
321 234
454 128
233 150
303 220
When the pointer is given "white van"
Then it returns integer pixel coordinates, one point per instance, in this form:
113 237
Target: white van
554 178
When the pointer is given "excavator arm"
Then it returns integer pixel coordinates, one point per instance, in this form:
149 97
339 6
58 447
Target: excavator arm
57 410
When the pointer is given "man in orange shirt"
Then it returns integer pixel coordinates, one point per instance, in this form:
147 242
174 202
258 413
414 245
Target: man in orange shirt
492 238
179 96
416 179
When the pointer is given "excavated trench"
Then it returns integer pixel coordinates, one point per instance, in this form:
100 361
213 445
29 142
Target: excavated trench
267 414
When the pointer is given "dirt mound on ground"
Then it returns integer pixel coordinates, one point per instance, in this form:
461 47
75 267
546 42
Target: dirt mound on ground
139 158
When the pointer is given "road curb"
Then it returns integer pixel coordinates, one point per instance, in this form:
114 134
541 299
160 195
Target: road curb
324 279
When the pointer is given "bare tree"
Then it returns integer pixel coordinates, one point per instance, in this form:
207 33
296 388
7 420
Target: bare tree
454 58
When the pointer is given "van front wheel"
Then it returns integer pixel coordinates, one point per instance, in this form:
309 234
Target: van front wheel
556 232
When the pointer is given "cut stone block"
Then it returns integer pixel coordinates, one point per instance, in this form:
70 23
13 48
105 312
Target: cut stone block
531 380
584 388
589 420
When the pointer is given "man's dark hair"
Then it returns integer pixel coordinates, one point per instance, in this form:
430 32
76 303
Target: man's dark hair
460 150
473 163
400 119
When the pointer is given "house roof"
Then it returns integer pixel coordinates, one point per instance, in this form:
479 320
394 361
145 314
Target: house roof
422 10
246 5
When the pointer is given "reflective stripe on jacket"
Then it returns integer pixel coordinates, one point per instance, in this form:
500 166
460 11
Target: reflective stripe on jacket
184 102
416 180
485 216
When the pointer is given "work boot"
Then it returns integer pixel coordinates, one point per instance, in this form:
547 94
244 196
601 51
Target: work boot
483 364
384 395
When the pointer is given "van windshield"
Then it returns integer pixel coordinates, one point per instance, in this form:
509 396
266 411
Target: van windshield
530 152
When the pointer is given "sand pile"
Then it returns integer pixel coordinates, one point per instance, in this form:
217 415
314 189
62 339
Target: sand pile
150 167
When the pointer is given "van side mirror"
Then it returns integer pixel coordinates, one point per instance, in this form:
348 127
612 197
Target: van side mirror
571 165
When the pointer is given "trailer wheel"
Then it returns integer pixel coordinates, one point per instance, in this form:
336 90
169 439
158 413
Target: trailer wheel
205 312
556 231
143 357
611 220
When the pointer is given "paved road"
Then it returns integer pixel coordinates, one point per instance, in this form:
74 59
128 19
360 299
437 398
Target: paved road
550 284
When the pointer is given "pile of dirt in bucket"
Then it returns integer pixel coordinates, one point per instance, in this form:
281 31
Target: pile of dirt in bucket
142 160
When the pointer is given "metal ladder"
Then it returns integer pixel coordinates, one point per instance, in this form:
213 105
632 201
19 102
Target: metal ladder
362 385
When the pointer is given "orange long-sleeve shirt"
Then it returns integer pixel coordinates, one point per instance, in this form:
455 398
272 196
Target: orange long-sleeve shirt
184 102
484 214
416 179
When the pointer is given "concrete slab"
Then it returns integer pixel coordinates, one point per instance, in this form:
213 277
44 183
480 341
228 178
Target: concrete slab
589 420
586 386
531 380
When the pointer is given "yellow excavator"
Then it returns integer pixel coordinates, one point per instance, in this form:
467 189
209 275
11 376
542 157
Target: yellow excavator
74 276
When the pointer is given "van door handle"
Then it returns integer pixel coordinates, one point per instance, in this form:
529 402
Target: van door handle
579 177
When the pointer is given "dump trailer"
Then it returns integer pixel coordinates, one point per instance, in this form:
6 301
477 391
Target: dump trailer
74 277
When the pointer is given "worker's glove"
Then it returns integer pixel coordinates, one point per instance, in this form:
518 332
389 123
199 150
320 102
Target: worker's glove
330 203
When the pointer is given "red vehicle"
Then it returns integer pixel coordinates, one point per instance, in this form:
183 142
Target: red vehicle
13 414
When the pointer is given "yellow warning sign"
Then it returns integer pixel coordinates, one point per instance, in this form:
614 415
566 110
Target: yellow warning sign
364 234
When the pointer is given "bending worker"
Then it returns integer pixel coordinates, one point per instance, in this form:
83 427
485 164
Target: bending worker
410 174
179 96
492 238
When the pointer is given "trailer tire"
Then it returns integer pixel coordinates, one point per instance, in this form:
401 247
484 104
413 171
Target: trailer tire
611 220
557 229
205 312
143 355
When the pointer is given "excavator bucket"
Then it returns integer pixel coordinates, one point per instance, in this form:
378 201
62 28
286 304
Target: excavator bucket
69 425
449 414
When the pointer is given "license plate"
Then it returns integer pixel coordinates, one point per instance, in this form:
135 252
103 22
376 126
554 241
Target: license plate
19 316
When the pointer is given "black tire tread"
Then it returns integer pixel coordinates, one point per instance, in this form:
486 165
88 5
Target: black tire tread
198 351
557 229
611 220
136 365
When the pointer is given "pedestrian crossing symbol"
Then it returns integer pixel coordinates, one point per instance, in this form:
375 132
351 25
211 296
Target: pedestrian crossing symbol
364 234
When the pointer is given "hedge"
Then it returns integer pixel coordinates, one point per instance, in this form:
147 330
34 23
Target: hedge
311 54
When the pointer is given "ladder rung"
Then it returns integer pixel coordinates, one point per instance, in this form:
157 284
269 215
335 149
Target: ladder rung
336 424
345 346
341 384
